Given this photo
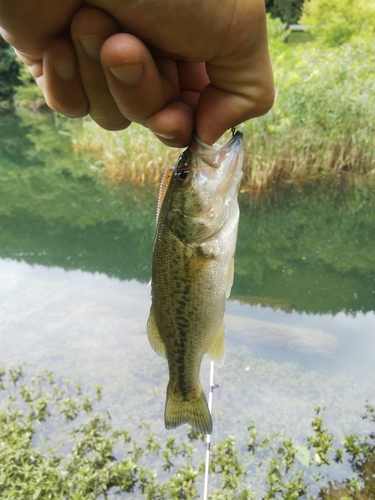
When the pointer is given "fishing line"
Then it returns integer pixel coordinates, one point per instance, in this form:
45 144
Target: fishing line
208 439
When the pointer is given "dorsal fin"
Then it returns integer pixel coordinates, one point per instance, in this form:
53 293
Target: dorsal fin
163 189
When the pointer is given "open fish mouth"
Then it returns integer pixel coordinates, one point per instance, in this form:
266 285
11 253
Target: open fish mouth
214 155
218 162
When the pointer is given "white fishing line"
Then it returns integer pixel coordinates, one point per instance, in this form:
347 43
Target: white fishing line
208 439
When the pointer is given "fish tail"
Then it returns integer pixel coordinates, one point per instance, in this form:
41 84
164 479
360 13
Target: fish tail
193 411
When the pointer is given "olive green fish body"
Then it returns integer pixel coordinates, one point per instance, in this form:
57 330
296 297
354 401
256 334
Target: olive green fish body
192 272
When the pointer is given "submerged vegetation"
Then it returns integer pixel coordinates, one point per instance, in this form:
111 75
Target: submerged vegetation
56 442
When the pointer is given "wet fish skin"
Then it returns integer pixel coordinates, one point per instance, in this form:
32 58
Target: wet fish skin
192 272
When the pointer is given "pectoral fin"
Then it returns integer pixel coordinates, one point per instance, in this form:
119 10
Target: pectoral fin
216 351
230 277
154 335
163 189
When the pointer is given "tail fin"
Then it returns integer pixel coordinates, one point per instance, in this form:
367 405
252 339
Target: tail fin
194 412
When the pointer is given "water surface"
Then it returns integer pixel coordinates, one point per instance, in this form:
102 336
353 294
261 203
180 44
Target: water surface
75 258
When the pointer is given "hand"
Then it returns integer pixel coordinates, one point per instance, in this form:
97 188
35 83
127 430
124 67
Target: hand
170 66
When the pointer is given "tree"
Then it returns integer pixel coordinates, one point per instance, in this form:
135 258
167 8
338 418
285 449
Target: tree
335 22
288 11
9 70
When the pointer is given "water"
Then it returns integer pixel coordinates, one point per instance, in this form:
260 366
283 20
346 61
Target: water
75 258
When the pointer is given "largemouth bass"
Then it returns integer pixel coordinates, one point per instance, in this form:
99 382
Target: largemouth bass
192 271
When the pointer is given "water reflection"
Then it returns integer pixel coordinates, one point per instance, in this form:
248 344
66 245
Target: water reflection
320 271
305 249
75 259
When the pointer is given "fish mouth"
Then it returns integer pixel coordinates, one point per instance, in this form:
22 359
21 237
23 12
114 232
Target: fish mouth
211 198
214 155
219 164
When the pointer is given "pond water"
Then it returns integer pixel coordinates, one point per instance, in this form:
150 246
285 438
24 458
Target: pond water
75 257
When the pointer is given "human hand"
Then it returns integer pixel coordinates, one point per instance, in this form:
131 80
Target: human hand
201 65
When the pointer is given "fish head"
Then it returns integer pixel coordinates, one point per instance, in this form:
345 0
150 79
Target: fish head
203 188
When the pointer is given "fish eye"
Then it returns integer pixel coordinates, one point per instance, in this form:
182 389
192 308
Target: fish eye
183 176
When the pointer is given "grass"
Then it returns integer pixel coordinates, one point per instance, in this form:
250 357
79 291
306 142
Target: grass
134 154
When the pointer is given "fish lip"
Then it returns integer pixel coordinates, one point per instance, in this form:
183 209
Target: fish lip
237 137
212 155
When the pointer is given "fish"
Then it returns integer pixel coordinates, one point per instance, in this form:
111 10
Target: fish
193 270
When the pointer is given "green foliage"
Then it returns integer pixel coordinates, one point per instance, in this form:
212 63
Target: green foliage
79 454
27 93
53 445
322 122
287 10
9 70
225 463
277 35
335 22
17 86
322 441
361 455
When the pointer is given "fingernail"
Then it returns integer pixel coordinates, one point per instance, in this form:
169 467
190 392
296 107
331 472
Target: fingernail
67 70
92 45
130 74
168 137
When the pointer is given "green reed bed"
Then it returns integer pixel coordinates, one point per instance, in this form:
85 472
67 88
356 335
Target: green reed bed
322 123
133 154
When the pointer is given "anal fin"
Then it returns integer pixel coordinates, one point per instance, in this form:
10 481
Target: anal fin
216 351
154 335
230 277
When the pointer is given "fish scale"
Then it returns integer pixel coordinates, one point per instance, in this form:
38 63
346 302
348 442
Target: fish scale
192 272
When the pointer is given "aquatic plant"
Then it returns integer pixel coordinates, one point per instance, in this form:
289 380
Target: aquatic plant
54 445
